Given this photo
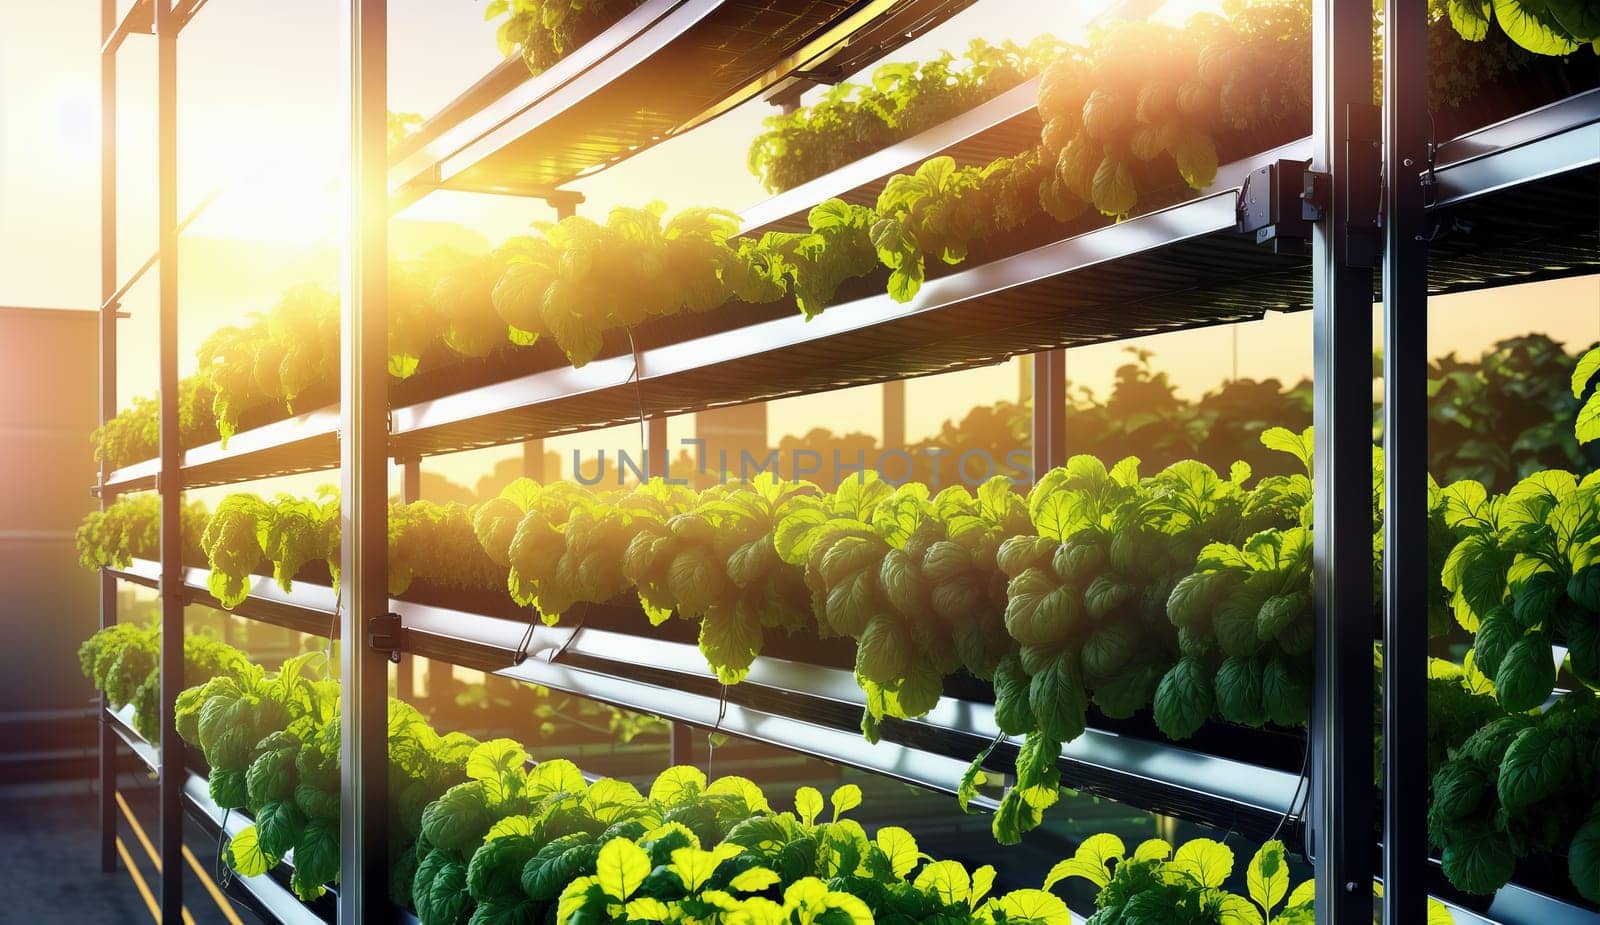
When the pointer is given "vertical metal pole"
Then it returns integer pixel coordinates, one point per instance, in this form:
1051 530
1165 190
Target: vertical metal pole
657 459
364 468
533 459
108 397
681 744
171 478
566 206
1341 806
1405 465
894 414
405 674
1049 411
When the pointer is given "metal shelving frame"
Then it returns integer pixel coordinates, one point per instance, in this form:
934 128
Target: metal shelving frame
1177 267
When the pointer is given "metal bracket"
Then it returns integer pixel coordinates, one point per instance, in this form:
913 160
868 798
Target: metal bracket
1276 203
386 634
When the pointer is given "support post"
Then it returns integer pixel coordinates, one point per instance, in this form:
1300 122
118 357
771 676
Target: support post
1049 411
170 480
364 464
657 457
894 414
565 202
108 398
1344 135
681 744
405 673
1405 464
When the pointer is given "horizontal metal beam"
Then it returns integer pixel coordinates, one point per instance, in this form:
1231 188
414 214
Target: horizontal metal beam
140 19
121 723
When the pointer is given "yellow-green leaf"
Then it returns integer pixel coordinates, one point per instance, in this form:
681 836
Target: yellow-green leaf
510 825
753 880
1034 907
621 867
808 804
551 777
741 787
1267 877
646 909
1208 862
1089 861
573 898
982 883
1152 849
845 799
678 784
947 880
1302 894
695 866
900 847
246 856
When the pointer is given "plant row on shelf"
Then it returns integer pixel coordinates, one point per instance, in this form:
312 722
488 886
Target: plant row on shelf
1184 593
480 834
1143 113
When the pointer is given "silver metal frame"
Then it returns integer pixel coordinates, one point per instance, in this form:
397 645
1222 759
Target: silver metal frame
1405 464
364 470
1340 740
1549 141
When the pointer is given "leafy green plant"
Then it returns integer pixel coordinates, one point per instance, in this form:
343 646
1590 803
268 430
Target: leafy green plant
123 662
716 563
272 744
1524 575
545 31
1587 427
1188 886
1522 785
901 99
1544 27
523 845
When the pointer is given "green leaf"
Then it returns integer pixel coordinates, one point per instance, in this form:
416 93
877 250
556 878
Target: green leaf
316 857
1583 857
1526 675
1535 767
1267 877
1058 698
1183 700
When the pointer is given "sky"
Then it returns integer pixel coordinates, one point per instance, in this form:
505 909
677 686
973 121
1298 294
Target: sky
259 118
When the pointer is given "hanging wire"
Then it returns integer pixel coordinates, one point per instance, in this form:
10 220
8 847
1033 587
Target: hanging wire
716 729
638 394
223 873
333 626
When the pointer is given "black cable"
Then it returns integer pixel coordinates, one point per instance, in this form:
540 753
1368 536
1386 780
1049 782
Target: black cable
1294 798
